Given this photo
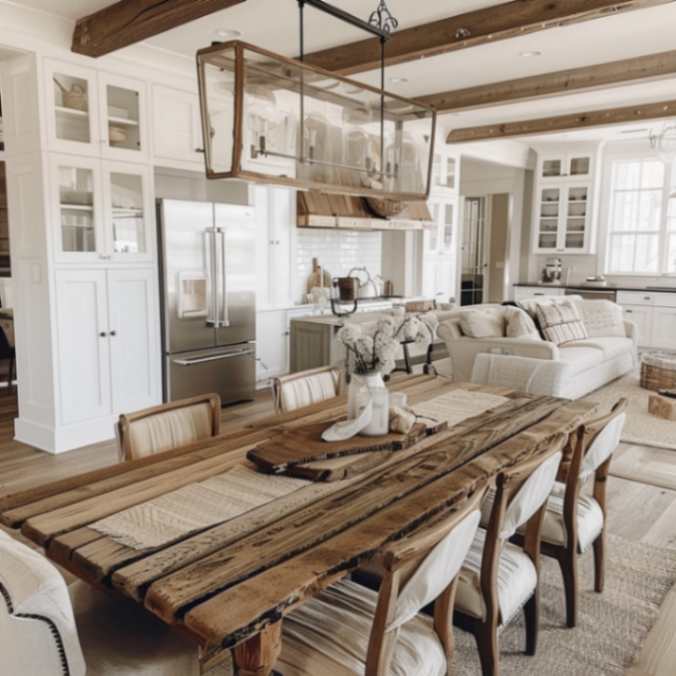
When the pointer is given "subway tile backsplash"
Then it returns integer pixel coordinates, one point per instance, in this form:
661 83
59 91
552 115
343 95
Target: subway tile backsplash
337 251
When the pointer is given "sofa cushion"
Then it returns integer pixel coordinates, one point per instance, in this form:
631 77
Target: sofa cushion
602 318
580 358
560 322
488 323
610 347
520 324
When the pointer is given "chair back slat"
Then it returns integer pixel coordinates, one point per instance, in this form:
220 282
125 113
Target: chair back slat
172 425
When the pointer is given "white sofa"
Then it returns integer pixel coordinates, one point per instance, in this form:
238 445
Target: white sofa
572 370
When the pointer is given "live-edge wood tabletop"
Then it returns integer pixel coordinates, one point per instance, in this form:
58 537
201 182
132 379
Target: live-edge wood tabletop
231 584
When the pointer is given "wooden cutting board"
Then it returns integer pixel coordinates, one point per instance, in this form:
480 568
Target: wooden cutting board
290 451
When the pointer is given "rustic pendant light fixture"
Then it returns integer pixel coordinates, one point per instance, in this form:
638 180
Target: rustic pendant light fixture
270 119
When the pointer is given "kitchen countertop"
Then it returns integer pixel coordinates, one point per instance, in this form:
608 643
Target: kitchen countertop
596 287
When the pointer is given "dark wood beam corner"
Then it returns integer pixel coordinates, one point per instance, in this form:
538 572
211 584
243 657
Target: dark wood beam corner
550 125
499 22
129 21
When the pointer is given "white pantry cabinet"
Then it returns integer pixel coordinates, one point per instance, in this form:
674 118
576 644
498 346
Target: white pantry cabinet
102 211
108 343
177 128
95 113
272 344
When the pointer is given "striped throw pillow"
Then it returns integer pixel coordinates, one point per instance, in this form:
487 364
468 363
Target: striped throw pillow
560 322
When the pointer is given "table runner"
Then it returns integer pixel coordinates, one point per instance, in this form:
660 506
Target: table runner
180 513
195 507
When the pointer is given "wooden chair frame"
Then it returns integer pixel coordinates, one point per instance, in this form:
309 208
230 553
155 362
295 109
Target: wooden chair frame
566 555
399 562
278 383
127 419
485 631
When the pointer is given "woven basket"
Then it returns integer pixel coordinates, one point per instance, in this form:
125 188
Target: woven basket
658 372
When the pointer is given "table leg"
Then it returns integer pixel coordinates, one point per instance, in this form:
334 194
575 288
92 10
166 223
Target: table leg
257 656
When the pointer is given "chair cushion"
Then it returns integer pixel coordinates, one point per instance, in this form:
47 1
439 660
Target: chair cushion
170 429
589 519
488 323
311 389
560 322
579 358
610 347
517 580
330 635
121 639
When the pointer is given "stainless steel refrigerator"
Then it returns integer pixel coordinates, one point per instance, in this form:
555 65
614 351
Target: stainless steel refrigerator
208 293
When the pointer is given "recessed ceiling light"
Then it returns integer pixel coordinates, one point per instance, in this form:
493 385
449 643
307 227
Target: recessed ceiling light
533 52
227 34
398 80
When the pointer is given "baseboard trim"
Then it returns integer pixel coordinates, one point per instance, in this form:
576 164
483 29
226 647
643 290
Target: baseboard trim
57 440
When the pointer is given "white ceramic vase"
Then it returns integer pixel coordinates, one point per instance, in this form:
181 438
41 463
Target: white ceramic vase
367 388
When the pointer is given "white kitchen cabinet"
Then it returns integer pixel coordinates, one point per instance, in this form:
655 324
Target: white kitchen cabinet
134 339
272 344
642 316
101 211
177 128
129 217
530 292
439 249
123 115
557 165
109 352
84 345
72 108
664 328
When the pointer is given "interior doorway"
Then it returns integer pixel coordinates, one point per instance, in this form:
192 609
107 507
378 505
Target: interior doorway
493 213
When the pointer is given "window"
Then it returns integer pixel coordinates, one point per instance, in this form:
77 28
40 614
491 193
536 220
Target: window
635 228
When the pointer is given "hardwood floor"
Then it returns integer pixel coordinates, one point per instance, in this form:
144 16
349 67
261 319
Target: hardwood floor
642 511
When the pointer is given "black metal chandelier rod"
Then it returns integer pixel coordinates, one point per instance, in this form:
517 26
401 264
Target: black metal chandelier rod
381 23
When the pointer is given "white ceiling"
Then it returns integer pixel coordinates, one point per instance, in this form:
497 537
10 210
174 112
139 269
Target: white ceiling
273 24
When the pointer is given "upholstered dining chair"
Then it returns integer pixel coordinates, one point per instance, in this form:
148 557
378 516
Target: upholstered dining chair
350 629
169 426
574 521
305 388
50 629
498 578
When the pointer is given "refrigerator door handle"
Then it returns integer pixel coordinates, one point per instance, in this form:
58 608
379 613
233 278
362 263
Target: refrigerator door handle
225 321
210 255
216 357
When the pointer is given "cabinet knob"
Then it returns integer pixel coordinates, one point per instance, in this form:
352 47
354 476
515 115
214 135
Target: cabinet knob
102 334
113 333
199 150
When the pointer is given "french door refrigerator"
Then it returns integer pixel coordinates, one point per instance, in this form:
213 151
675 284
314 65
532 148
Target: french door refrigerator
208 298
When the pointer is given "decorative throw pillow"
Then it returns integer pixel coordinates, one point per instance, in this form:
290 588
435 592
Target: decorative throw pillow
520 324
482 323
561 322
602 318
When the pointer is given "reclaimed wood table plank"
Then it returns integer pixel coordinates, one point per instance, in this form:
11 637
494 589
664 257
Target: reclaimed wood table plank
230 584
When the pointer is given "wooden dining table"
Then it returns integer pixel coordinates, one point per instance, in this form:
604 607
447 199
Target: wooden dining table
231 584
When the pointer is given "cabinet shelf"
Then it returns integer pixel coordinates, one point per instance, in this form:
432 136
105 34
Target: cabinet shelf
71 112
77 207
124 121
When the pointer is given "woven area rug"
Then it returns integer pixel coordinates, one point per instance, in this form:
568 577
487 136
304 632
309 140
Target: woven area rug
641 427
612 626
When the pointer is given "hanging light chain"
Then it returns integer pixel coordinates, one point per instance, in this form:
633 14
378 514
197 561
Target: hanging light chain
383 18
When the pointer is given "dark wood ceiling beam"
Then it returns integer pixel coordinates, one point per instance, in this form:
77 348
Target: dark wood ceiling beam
506 20
129 21
653 66
550 125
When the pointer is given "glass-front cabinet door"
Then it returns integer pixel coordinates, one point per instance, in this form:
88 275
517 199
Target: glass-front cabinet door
77 208
577 217
128 212
72 111
549 216
123 118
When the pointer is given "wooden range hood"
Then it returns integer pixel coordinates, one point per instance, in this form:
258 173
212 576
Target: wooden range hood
348 212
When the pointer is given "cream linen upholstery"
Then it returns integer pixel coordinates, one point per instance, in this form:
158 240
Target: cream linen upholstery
589 519
517 580
577 368
172 425
517 576
306 388
38 635
50 629
330 634
533 376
